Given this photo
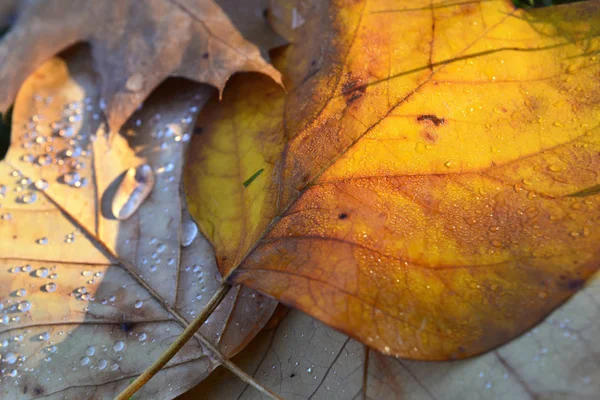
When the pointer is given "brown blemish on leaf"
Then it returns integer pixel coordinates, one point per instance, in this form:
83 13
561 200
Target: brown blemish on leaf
428 117
352 89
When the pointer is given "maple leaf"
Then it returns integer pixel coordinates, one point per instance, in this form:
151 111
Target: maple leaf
135 46
87 300
417 181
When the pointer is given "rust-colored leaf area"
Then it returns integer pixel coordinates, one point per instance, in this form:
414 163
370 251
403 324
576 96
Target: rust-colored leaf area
418 178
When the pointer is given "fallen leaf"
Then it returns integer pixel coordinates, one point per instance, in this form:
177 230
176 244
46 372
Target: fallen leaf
135 46
416 179
302 359
87 301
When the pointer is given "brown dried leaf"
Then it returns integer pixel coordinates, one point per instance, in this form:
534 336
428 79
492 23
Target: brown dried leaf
135 46
126 282
302 359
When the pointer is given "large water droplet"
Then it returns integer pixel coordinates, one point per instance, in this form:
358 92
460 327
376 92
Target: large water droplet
133 190
21 292
85 360
139 304
189 230
44 336
90 351
142 337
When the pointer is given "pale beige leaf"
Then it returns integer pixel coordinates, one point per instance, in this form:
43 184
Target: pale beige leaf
304 359
125 284
135 46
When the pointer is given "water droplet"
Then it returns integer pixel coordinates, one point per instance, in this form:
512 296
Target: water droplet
10 358
43 240
44 159
167 168
90 351
26 268
102 364
7 216
24 306
189 231
114 367
42 272
133 190
27 198
449 164
85 360
142 337
21 292
52 349
139 304
44 336
118 346
13 373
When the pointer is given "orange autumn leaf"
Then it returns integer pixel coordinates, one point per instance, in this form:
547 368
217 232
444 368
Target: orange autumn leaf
417 179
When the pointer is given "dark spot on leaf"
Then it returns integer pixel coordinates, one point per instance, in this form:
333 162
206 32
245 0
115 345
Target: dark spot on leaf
292 375
575 284
265 13
25 389
198 130
343 215
428 117
205 56
38 391
352 90
313 63
126 326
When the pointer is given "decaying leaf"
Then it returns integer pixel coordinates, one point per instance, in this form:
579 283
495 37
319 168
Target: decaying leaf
135 46
302 359
416 177
88 301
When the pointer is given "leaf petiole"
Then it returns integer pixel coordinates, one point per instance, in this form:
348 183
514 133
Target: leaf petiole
177 344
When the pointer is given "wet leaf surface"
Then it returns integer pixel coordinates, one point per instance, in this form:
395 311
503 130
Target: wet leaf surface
88 301
136 45
302 358
416 179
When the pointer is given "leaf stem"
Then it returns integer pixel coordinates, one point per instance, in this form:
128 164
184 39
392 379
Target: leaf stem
181 340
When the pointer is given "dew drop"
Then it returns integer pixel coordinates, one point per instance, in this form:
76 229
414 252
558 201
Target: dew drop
7 216
133 190
139 304
41 272
43 240
50 287
10 358
114 367
90 351
102 364
85 360
189 231
142 337
118 346
27 198
44 336
24 306
21 292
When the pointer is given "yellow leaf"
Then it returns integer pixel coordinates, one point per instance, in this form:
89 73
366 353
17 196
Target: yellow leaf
417 176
